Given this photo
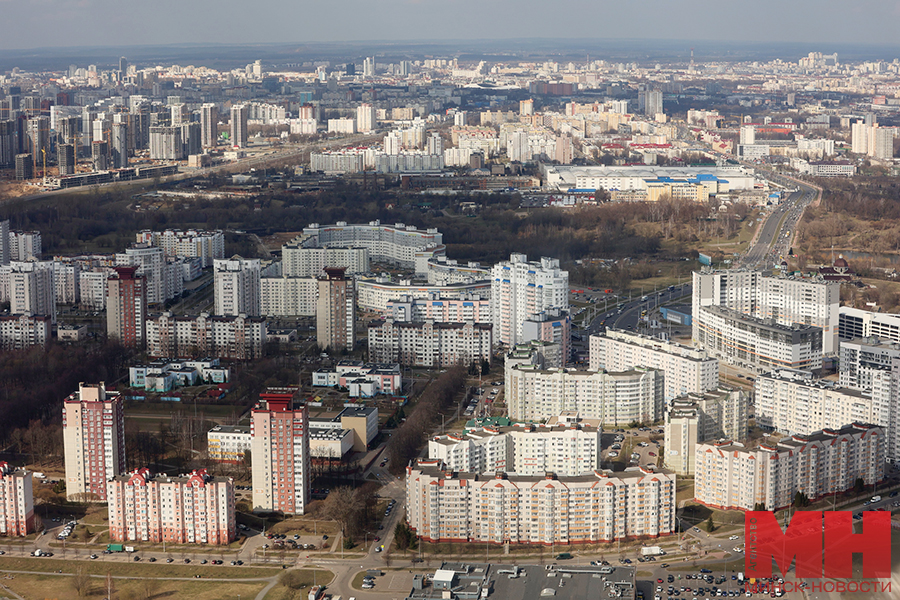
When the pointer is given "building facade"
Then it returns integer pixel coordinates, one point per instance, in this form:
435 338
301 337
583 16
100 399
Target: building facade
24 331
336 311
288 296
235 338
228 443
205 245
16 501
126 307
300 261
430 343
237 282
280 456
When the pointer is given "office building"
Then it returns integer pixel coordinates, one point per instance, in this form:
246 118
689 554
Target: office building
228 444
16 501
126 307
634 396
32 288
717 414
785 300
209 125
234 338
686 369
239 134
336 311
569 449
446 506
94 441
237 282
190 509
65 159
280 453
520 289
435 344
756 344
731 476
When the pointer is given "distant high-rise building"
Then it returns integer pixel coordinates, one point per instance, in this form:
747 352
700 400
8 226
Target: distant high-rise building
119 146
166 144
239 116
565 151
123 66
526 107
38 137
100 155
191 138
126 306
209 125
237 282
24 166
32 288
365 118
179 113
279 451
336 311
748 135
93 441
65 158
369 66
654 103
7 142
882 142
435 144
459 118
859 138
16 501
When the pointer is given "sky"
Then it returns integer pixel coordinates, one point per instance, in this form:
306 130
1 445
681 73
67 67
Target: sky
73 23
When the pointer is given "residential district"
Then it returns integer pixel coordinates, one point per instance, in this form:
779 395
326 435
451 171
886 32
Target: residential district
621 424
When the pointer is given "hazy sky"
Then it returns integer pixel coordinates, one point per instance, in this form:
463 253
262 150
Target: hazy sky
45 23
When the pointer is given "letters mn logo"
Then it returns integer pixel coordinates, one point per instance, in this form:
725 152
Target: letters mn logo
813 536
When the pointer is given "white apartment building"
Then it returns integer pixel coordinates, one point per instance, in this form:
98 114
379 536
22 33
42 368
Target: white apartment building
228 443
435 308
445 506
191 509
520 289
863 358
24 245
699 417
365 118
24 330
686 369
756 344
92 287
786 300
444 271
280 456
235 338
377 293
347 126
93 439
298 260
534 394
857 323
545 355
67 277
288 296
237 282
16 501
205 245
794 402
399 244
731 476
30 288
430 343
162 280
566 450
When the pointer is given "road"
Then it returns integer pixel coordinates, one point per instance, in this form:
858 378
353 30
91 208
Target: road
776 236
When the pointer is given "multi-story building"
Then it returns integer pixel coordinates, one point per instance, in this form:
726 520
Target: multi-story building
126 306
209 125
444 271
237 286
235 338
442 505
378 293
861 359
228 443
93 286
534 394
732 476
205 245
24 245
399 244
298 260
430 343
239 117
520 289
567 450
166 143
786 300
687 370
192 509
119 146
94 441
365 118
288 296
361 379
547 355
857 323
361 422
756 344
700 417
336 311
435 308
163 281
24 330
16 501
67 276
280 458
32 288
551 325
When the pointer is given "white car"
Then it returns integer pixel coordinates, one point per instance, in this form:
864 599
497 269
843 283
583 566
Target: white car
734 537
613 454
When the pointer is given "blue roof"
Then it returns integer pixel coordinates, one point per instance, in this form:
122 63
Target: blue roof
468 304
557 324
437 303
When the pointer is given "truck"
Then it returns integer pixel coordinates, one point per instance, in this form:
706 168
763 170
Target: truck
652 551
129 549
115 547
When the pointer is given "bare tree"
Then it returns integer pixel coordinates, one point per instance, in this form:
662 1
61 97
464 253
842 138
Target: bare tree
81 582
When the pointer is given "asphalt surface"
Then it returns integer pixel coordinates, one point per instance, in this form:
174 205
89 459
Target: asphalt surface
777 234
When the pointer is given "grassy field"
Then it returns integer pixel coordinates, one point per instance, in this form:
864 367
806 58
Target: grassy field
60 587
142 569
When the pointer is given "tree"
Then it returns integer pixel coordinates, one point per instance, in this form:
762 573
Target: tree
859 485
759 506
344 505
710 526
149 587
403 536
801 500
81 582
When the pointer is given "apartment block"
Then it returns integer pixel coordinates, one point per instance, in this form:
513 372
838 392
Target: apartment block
191 509
567 450
162 280
235 338
444 271
862 358
856 323
297 260
31 288
288 296
16 501
520 289
786 300
430 343
94 441
447 506
24 331
228 443
378 293
126 307
756 344
280 456
552 325
686 369
699 417
732 476
336 311
237 282
205 245
534 394
67 277
435 308
24 245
